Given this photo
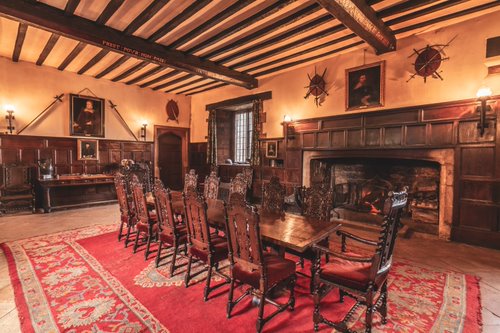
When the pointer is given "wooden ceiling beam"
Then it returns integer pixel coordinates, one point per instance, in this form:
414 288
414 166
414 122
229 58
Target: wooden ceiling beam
269 10
71 6
130 71
218 18
143 76
76 51
304 12
160 78
92 62
113 66
170 83
363 21
84 30
46 50
21 35
145 16
183 16
110 9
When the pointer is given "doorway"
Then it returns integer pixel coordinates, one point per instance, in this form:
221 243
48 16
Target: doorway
171 150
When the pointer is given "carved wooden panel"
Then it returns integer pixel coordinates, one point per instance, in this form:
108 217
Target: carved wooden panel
442 134
372 137
354 138
342 123
448 112
392 136
323 139
386 118
294 159
338 139
478 216
469 133
309 126
308 140
477 190
415 135
294 176
478 161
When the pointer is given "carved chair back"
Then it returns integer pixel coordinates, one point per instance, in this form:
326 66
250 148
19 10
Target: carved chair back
393 207
196 220
139 172
141 208
317 202
191 181
126 211
164 210
238 185
245 245
211 187
248 175
273 197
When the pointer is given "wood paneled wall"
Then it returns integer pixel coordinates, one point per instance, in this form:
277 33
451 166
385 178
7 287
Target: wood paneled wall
62 151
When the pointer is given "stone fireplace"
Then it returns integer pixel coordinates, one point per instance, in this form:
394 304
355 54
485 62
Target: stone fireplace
361 181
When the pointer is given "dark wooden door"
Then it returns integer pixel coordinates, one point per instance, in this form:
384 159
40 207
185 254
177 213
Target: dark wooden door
170 160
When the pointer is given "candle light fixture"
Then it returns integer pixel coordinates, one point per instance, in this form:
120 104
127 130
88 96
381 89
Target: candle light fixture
10 118
483 95
143 130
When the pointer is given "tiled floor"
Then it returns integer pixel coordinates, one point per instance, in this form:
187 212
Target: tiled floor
482 262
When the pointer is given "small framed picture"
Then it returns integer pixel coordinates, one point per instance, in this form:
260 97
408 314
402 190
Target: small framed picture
87 149
86 116
365 86
272 149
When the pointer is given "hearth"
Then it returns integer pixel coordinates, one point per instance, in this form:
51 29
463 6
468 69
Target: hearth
361 182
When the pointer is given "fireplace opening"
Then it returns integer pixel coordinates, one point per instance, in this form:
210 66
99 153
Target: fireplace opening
361 185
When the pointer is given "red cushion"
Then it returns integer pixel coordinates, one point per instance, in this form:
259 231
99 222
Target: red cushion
166 236
351 274
219 245
277 268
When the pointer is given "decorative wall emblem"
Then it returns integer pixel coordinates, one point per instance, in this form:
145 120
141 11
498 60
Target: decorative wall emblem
317 87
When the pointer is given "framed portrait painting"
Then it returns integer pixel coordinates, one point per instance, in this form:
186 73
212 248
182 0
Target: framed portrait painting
365 86
87 149
86 116
272 149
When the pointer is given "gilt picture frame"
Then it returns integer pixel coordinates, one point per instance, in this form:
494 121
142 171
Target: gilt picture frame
272 149
365 86
86 116
87 150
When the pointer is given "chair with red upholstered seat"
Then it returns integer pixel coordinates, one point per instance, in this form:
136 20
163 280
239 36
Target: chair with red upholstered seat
191 181
250 265
146 221
273 197
202 245
125 202
211 186
361 277
171 229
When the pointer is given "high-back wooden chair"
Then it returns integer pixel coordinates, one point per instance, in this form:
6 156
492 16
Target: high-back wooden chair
250 265
317 202
127 213
170 231
211 187
359 276
202 245
238 185
191 181
273 197
248 175
146 222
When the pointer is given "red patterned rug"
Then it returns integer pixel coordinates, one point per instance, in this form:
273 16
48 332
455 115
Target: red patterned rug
85 281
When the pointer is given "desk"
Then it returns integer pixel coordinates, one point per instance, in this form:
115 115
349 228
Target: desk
76 191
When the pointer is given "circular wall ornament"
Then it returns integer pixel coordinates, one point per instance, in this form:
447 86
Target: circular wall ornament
172 110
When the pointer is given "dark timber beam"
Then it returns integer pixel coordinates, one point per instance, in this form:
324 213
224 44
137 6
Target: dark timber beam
145 16
92 62
21 35
269 10
363 21
130 71
304 12
110 9
143 76
71 6
174 23
113 66
229 11
46 50
76 51
84 30
160 78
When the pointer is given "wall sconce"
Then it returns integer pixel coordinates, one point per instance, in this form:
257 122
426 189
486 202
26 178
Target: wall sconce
143 130
483 95
10 117
288 127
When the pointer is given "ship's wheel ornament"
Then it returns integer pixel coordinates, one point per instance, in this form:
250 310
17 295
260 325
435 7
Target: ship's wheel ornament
316 87
429 60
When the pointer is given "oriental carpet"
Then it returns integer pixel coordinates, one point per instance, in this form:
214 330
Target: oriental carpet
85 281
